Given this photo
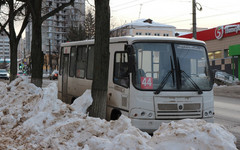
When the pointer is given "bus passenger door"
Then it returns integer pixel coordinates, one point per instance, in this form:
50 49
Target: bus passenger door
65 78
118 84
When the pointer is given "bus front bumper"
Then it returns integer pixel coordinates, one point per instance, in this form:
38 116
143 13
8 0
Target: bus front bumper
150 126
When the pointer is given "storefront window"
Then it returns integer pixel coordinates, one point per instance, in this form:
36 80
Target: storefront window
210 55
218 54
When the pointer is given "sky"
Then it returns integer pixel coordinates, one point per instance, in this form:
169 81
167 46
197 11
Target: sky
33 118
175 12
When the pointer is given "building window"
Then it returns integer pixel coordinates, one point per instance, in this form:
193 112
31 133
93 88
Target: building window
226 54
165 34
147 33
138 33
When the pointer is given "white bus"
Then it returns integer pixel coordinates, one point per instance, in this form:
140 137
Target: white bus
151 79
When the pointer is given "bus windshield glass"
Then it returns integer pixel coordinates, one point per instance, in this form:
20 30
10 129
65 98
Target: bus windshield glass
171 67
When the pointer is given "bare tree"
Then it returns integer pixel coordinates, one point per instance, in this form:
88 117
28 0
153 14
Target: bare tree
101 59
16 10
36 45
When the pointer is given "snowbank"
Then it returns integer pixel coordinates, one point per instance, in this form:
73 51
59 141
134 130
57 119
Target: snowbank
33 118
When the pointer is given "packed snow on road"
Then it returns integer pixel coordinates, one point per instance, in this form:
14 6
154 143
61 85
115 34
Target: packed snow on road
33 118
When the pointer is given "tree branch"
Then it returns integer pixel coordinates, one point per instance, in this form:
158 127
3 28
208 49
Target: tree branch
30 7
3 27
24 24
51 13
19 9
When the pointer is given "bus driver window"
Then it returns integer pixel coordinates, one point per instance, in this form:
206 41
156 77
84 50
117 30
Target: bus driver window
121 73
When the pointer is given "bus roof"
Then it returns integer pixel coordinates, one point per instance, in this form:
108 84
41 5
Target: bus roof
132 39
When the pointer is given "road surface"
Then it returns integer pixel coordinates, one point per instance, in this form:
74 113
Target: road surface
227 113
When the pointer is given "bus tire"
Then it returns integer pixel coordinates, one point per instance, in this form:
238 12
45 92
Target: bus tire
73 99
115 114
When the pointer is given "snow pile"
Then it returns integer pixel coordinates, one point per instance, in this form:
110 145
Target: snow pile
33 118
192 134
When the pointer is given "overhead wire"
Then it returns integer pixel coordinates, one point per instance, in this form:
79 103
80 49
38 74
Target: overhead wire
206 16
120 5
133 5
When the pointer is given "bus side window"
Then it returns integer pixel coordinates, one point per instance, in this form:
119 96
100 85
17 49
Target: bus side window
73 56
61 61
81 61
90 62
121 73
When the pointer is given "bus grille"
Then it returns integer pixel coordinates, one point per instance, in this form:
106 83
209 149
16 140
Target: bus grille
179 111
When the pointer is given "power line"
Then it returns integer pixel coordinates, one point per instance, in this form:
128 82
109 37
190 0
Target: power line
171 18
120 5
133 5
206 16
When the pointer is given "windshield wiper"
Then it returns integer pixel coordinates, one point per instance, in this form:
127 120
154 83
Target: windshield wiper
190 79
164 81
193 83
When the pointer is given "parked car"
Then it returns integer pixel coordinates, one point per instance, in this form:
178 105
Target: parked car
46 74
20 73
54 75
4 74
223 78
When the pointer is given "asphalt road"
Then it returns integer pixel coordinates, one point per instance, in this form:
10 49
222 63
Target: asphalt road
227 113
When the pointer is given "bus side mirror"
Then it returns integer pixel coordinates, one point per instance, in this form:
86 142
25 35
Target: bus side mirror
129 48
131 58
212 74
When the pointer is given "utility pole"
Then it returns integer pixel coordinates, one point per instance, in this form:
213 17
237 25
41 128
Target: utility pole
194 6
140 11
194 19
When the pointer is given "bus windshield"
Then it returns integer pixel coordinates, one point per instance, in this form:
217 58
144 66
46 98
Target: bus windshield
171 67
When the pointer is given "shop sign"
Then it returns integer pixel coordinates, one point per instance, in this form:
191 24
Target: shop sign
221 30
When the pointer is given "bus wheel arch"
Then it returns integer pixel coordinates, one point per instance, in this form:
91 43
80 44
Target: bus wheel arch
115 114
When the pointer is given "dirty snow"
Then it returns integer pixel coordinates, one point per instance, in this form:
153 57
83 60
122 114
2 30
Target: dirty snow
33 118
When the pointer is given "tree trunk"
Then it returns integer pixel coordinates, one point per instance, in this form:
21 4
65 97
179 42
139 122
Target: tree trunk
13 43
13 58
36 46
101 59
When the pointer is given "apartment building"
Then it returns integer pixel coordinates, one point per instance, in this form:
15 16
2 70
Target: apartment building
4 46
54 29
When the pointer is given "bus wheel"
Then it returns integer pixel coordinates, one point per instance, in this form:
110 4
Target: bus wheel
73 99
115 114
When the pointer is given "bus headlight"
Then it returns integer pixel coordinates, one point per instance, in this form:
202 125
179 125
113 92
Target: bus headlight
141 113
150 114
208 113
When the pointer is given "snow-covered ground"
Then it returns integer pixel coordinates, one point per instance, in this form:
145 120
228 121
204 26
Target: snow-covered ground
33 118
